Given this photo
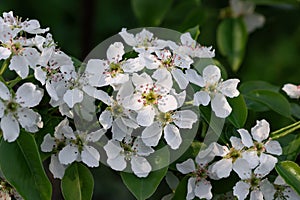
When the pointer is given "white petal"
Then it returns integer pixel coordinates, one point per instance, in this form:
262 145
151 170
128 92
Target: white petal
242 168
194 77
236 143
130 123
229 88
246 137
279 181
184 118
256 195
190 188
267 163
203 189
267 189
106 119
51 91
141 148
48 143
292 90
152 134
4 53
222 168
180 97
167 103
73 96
205 156
94 68
133 102
20 65
29 95
145 116
68 154
120 130
102 96
4 92
172 136
186 167
128 37
10 128
273 147
40 75
142 79
140 166
117 163
95 136
253 21
180 78
2 107
241 190
220 106
261 130
201 98
211 74
219 150
90 156
56 168
29 120
251 157
112 149
115 52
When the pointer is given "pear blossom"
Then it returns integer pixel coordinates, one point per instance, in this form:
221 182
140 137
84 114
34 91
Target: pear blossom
131 150
68 146
198 185
293 91
261 189
15 110
214 89
150 96
246 9
143 41
189 47
283 191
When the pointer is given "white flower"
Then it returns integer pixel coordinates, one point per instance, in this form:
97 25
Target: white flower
190 48
150 96
143 41
293 91
119 153
283 191
246 10
15 110
198 185
169 123
215 90
261 189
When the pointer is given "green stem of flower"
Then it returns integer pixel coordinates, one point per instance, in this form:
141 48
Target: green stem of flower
285 131
4 67
15 81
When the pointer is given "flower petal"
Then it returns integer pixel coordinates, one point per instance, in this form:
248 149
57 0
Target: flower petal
145 116
48 143
90 156
29 120
184 118
95 136
267 163
267 189
29 95
172 136
242 168
117 163
236 143
112 149
106 119
201 98
246 137
222 168
211 74
4 92
19 64
194 77
261 130
241 190
56 168
10 128
152 134
273 147
256 195
180 78
141 148
203 189
186 167
4 53
251 157
2 108
191 188
292 90
115 52
167 103
220 106
229 88
140 166
68 154
71 97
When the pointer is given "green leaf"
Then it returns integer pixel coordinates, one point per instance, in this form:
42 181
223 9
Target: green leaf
194 31
77 183
285 130
269 99
150 12
248 86
143 188
22 167
231 40
275 2
181 190
295 109
290 172
290 146
239 113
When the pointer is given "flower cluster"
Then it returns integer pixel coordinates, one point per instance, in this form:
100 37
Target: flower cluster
251 157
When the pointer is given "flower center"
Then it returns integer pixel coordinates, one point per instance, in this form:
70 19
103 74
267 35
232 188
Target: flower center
165 118
254 182
260 147
200 173
11 107
115 69
151 97
233 154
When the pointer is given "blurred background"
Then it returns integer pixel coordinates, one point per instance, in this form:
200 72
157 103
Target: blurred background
272 52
